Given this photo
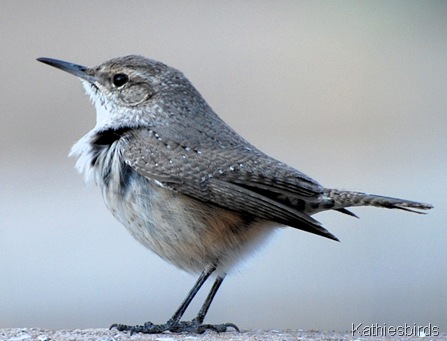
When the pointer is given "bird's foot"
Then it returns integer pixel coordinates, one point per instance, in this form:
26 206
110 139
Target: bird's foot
193 327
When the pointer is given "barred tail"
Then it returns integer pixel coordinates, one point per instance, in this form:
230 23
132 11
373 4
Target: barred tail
343 199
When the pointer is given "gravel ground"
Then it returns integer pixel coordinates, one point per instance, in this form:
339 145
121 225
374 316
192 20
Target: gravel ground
25 334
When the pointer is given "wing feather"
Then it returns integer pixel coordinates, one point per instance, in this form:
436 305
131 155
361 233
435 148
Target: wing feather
241 179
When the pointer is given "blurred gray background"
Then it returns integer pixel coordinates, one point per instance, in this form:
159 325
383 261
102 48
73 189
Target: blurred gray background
353 93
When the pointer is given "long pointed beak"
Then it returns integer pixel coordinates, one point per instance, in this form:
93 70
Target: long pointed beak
76 70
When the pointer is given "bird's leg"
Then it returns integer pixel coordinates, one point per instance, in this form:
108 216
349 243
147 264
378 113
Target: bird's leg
198 320
150 328
206 305
174 324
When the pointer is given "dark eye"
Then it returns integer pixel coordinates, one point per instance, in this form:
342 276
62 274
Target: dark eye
120 79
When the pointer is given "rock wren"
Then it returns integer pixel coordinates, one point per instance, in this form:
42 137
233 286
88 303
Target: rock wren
185 184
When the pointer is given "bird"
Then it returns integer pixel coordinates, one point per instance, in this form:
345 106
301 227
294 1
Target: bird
185 184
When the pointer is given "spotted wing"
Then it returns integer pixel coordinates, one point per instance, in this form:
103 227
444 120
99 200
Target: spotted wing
240 179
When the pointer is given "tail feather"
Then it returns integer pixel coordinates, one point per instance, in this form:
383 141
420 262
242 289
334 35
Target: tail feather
348 212
342 199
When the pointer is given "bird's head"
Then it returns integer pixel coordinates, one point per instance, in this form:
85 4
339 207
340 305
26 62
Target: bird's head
134 91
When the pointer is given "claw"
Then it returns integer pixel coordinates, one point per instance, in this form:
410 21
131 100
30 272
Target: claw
180 327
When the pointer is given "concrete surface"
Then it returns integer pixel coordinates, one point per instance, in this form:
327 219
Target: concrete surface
19 334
